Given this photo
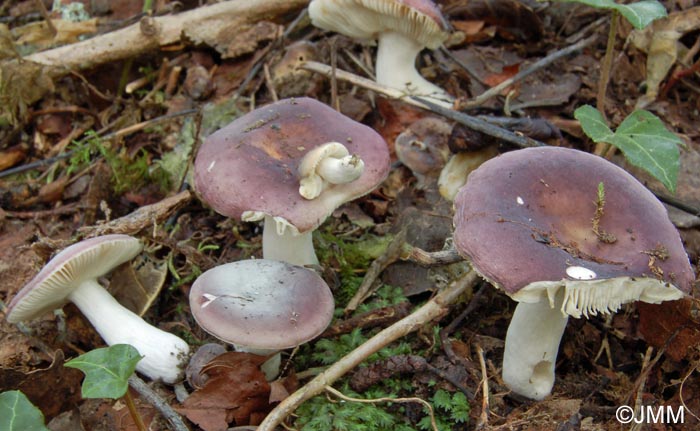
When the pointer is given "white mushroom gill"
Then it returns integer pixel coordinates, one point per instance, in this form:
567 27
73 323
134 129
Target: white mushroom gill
534 334
327 164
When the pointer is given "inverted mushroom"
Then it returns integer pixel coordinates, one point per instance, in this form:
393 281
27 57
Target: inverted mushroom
291 163
402 28
564 233
71 276
262 306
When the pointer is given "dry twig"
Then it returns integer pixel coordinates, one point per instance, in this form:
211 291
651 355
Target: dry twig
433 309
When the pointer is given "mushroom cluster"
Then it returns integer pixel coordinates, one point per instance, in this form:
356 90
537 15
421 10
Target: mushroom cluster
71 276
564 233
291 164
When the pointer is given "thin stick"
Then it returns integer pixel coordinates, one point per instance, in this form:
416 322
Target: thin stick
123 132
138 420
428 259
426 404
480 125
268 83
546 61
601 148
484 416
435 308
47 18
390 256
335 102
154 399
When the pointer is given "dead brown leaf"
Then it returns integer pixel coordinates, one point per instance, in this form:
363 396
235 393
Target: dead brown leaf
659 322
235 391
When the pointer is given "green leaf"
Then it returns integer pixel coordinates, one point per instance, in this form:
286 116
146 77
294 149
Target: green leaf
107 370
593 124
17 413
639 14
643 139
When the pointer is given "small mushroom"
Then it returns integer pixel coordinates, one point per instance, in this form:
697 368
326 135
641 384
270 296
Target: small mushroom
402 27
262 306
291 163
422 148
71 276
535 224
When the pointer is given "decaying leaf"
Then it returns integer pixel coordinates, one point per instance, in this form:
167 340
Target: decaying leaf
136 284
235 393
22 84
53 398
661 42
677 319
40 35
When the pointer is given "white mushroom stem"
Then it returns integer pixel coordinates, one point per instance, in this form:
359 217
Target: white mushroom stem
283 242
396 68
532 343
164 354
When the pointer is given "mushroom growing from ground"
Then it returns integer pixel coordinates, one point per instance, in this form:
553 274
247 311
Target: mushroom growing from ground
564 233
71 276
262 306
403 28
422 148
291 163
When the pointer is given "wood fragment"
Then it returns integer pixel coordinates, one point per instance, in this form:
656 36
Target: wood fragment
131 41
140 219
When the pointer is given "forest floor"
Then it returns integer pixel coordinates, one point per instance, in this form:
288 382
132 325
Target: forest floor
119 131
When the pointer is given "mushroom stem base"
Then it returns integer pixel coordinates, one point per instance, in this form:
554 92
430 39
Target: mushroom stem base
532 344
288 246
163 353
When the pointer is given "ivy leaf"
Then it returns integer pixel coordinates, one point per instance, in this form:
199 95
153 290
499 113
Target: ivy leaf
639 14
17 413
643 139
107 370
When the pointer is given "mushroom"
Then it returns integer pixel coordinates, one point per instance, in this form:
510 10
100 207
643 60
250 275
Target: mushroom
262 306
291 163
564 233
422 148
402 27
71 276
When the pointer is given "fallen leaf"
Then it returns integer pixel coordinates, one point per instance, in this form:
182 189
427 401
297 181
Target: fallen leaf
235 391
659 322
506 73
136 284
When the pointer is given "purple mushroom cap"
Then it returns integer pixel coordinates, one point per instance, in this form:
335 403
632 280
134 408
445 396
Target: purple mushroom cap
252 164
527 216
262 304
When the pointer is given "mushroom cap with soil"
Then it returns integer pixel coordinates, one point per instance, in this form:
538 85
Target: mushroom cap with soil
71 276
291 163
401 27
538 224
262 306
